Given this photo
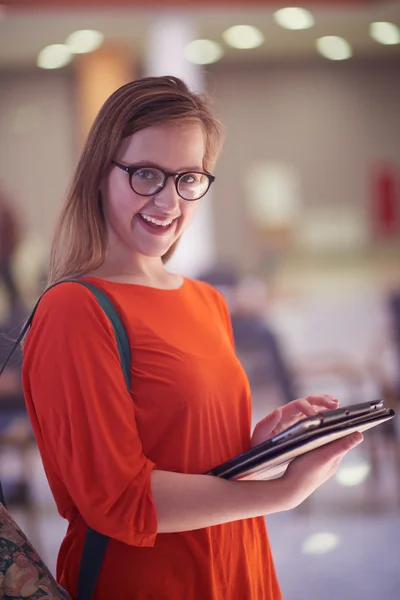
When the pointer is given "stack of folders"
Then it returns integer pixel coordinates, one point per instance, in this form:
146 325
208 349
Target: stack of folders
270 459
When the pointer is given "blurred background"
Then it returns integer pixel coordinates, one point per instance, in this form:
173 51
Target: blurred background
301 231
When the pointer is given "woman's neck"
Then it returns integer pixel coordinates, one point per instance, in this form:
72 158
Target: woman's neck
150 277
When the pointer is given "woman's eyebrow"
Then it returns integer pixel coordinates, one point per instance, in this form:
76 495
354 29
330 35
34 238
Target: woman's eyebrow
149 163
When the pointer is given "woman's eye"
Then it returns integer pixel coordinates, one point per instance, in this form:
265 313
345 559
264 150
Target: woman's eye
190 178
147 174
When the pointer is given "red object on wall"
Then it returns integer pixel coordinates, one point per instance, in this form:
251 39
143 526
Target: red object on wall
385 202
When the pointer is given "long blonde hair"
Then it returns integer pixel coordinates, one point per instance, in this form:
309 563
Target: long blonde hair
80 238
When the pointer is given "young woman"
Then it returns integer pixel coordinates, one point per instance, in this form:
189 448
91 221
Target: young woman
130 465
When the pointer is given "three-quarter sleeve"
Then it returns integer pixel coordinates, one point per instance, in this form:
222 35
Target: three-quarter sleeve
84 416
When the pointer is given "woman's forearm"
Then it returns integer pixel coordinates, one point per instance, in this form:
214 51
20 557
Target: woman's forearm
186 502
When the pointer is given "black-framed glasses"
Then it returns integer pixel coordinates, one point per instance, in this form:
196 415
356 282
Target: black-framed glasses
148 181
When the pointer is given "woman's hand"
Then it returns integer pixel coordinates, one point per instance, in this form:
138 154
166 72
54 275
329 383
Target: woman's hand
283 417
308 472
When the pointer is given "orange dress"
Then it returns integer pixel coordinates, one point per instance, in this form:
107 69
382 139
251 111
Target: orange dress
189 410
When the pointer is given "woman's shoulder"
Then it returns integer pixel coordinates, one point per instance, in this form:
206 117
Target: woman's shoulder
68 305
67 317
66 295
201 288
207 293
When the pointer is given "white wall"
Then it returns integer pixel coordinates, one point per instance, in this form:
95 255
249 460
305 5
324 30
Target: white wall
331 121
36 144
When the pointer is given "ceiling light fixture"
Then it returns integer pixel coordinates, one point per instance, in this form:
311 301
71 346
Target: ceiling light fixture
385 32
203 52
294 18
320 543
84 41
243 37
334 47
54 57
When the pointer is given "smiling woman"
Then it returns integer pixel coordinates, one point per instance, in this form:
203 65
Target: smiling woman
146 212
143 122
129 464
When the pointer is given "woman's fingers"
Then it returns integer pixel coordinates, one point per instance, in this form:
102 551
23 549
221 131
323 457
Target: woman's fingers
323 401
309 405
308 472
337 449
293 412
298 408
290 413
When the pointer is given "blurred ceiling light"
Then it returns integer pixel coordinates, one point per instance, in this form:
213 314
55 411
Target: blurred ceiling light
54 57
334 47
385 33
203 52
294 18
350 475
320 543
84 40
243 37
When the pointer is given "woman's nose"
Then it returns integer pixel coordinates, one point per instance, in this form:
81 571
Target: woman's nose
168 198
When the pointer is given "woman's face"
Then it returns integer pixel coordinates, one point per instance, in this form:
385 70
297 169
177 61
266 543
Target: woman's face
173 148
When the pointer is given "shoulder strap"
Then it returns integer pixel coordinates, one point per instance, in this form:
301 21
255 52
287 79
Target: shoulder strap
109 309
2 499
119 330
96 543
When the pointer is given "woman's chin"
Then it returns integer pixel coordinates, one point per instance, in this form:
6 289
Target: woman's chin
153 244
153 250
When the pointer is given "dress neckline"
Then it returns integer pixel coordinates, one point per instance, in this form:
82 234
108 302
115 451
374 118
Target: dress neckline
136 285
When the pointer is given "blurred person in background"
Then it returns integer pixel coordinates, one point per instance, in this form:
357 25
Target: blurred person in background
130 465
253 332
9 241
256 343
12 319
14 426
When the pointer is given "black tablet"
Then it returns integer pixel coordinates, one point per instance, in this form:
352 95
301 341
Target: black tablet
270 459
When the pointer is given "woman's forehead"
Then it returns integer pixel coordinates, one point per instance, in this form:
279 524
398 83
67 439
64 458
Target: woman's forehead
173 142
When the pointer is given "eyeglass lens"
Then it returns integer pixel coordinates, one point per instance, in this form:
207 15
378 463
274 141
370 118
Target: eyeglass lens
149 181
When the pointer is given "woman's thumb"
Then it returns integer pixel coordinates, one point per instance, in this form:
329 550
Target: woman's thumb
263 430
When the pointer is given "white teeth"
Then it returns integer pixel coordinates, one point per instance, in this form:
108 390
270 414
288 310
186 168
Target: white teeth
156 221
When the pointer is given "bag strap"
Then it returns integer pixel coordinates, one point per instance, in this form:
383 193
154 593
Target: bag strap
109 309
2 499
121 336
96 543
